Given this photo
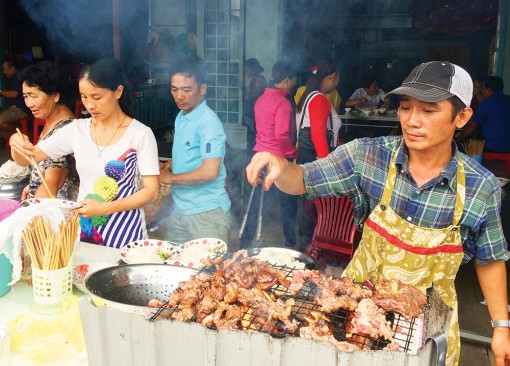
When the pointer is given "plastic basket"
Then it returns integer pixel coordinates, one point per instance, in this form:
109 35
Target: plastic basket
51 287
5 274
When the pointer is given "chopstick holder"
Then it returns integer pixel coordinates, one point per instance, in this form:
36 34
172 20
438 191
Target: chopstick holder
36 166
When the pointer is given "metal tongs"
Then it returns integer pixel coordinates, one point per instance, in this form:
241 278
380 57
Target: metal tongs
259 216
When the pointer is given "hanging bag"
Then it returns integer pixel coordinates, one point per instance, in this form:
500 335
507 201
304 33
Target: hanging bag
304 134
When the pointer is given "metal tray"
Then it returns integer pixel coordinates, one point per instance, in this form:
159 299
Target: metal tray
310 263
130 287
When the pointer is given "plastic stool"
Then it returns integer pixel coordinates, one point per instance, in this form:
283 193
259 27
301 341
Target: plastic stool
77 108
38 122
24 129
499 156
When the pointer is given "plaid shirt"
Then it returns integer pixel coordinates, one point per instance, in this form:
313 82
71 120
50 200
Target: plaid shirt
359 169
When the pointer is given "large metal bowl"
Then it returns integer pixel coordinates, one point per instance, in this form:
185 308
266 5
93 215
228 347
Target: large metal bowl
130 287
310 263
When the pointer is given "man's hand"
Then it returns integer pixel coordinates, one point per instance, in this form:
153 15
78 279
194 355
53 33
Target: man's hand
165 165
165 175
275 166
501 346
287 176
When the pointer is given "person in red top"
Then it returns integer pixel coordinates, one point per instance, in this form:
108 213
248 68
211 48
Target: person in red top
276 133
315 116
315 113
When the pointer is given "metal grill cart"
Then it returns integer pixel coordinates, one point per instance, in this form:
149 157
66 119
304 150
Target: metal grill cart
116 337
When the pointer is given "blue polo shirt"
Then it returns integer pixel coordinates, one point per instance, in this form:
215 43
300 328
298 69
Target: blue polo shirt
198 135
493 117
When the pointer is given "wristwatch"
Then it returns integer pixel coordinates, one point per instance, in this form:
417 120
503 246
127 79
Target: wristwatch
500 323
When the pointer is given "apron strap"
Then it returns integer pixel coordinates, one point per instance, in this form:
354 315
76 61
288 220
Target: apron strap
460 194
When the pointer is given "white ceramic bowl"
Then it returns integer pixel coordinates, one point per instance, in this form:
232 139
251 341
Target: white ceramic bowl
503 181
347 110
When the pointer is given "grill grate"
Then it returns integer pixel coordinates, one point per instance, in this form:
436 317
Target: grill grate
339 322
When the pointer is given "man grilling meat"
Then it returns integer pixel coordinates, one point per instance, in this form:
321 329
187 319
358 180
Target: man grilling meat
424 207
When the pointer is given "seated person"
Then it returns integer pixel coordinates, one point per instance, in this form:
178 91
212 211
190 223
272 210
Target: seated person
492 117
15 108
42 91
370 96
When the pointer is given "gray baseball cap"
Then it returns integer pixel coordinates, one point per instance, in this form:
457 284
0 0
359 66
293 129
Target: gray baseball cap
435 81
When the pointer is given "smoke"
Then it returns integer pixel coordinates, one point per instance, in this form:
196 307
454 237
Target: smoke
81 27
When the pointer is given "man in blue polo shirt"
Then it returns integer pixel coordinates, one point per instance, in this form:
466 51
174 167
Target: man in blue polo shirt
196 172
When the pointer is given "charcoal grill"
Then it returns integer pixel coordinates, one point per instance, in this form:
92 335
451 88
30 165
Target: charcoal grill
162 341
339 321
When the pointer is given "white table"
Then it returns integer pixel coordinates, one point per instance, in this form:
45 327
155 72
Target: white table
373 120
17 302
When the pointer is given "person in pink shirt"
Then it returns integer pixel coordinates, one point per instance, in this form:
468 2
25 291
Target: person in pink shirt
274 116
276 133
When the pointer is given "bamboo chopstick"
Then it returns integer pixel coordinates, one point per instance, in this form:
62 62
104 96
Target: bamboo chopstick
51 250
473 147
36 166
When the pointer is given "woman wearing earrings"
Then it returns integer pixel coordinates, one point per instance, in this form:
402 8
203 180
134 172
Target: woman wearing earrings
112 151
42 92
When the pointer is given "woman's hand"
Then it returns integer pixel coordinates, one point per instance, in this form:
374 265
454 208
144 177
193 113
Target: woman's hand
21 145
89 208
24 194
23 152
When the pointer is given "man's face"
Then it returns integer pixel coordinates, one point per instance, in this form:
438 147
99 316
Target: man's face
9 71
486 92
428 127
373 88
186 92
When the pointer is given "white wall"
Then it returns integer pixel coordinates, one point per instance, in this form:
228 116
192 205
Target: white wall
262 32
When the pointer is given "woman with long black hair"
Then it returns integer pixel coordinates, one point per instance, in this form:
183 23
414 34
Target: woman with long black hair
112 151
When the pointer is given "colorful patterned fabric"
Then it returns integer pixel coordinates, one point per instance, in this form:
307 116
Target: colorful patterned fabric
110 173
393 248
69 190
359 170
